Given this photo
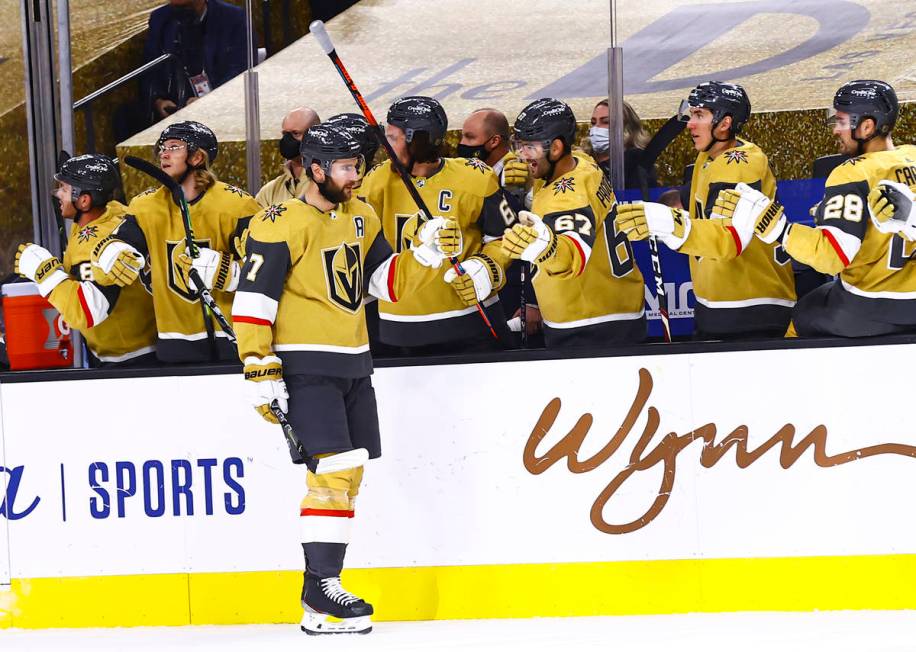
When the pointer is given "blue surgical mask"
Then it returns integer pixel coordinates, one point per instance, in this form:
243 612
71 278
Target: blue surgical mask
600 138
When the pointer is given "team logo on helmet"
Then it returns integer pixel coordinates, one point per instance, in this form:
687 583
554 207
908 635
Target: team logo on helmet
272 212
87 233
564 184
736 156
343 268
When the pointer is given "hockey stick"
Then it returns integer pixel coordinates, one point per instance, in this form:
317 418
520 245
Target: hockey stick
206 299
662 138
324 40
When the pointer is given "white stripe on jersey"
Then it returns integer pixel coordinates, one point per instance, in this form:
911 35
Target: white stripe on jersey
254 304
747 303
437 315
620 316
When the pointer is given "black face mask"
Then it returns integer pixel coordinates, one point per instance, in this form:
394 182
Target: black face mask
473 151
289 146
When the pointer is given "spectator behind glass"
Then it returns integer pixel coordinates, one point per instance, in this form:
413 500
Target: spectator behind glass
635 139
208 36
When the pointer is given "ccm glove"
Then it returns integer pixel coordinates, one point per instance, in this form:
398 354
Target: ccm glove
752 212
892 207
39 265
640 220
481 277
266 384
530 239
116 263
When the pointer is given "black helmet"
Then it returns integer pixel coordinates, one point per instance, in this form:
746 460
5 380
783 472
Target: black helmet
324 144
418 113
723 99
94 174
868 98
546 119
357 126
194 134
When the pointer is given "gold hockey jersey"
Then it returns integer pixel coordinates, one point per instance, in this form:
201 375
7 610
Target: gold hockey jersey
876 270
282 188
737 288
467 191
117 323
602 295
303 282
218 219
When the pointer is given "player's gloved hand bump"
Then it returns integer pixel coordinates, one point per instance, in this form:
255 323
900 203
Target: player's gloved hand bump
117 263
240 242
640 220
751 211
482 276
266 384
892 207
515 172
530 239
217 269
424 246
40 266
444 234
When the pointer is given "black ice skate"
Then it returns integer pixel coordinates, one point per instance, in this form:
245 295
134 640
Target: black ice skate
330 609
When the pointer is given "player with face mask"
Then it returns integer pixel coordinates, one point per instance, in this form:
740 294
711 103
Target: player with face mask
876 284
588 287
744 288
117 323
302 338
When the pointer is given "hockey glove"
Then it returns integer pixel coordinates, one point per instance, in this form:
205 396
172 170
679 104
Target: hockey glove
39 265
892 207
752 212
640 220
530 239
217 270
117 263
266 384
424 246
481 277
445 234
515 172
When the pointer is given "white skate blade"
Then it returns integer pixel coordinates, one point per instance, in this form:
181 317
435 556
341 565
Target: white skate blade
314 624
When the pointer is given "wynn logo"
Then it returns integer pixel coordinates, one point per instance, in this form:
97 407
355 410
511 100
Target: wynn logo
668 449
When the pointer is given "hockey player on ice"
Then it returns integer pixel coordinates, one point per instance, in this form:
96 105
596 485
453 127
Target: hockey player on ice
302 338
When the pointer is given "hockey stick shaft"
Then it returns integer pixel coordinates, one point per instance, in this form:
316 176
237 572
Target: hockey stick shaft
318 30
295 446
662 138
206 298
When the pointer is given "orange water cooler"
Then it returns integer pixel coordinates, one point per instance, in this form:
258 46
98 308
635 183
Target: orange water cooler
37 337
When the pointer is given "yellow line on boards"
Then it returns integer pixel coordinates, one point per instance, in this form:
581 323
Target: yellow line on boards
460 592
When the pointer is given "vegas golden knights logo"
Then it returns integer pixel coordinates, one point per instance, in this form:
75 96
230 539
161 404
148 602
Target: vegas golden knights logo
343 269
178 281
